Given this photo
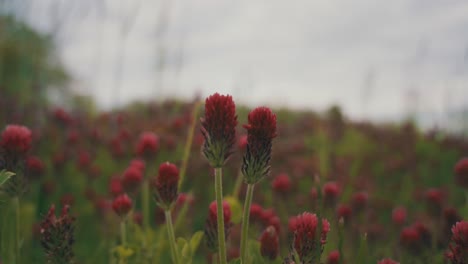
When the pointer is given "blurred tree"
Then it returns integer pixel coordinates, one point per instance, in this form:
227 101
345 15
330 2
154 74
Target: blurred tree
29 69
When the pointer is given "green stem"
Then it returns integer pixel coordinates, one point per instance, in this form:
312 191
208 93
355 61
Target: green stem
172 241
245 222
237 185
123 233
220 215
16 204
145 204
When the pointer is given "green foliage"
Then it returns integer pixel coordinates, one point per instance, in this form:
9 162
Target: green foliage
5 176
28 66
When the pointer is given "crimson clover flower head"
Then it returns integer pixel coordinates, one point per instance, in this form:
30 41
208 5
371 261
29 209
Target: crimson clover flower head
461 173
148 145
344 211
458 249
57 235
360 200
308 246
333 257
35 167
261 129
388 261
164 186
211 224
122 205
218 128
269 243
399 215
16 139
132 179
282 184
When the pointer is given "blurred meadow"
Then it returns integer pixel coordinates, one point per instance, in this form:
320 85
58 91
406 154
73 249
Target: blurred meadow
371 105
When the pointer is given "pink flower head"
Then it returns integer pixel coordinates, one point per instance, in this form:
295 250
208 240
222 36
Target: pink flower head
458 249
132 179
282 184
219 129
242 143
269 243
16 139
344 211
261 129
35 166
139 164
410 238
213 215
57 235
165 185
211 225
461 172
306 242
333 257
399 215
122 205
115 186
360 200
330 192
147 145
256 212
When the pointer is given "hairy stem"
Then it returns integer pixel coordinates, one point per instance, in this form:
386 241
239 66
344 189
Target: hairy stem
220 215
245 222
171 236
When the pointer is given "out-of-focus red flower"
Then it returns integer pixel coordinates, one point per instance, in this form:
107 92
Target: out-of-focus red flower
256 212
147 145
269 243
458 249
213 216
115 186
330 191
388 261
219 129
211 225
434 200
304 228
73 136
139 164
61 116
35 167
399 215
333 257
282 184
122 205
359 200
165 185
261 129
84 160
461 173
344 211
242 143
410 238
132 179
16 139
138 218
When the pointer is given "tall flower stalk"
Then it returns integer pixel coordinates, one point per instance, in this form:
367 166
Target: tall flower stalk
261 129
14 146
219 132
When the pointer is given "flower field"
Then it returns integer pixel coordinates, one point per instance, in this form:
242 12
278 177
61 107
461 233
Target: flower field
209 182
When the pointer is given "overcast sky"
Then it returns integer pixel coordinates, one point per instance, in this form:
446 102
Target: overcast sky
373 57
